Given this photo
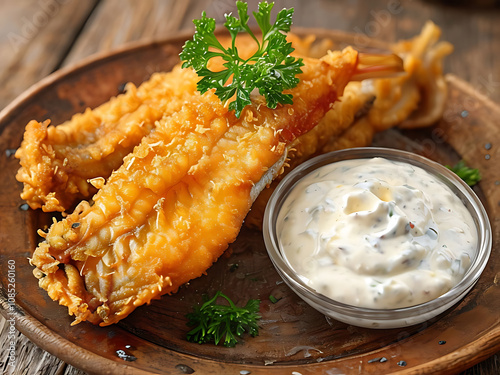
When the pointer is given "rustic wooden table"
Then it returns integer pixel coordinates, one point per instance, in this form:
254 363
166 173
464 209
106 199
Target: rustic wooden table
38 37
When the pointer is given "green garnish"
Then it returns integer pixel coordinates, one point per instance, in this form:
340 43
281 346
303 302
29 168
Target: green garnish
214 322
271 69
471 176
273 299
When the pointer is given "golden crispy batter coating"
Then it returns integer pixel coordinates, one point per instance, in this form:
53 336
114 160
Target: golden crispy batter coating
411 100
179 198
57 161
174 203
59 164
429 52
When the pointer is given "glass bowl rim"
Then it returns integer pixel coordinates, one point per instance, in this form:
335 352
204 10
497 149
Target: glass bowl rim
474 205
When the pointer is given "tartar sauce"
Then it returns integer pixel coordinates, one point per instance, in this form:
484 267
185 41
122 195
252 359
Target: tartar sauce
376 233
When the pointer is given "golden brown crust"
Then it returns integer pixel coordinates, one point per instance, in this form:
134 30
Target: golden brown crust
178 200
57 162
411 100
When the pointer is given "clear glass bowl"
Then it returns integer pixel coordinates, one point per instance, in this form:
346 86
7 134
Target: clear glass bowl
368 317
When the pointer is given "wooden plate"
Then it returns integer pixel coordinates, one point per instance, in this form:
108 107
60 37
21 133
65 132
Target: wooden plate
293 337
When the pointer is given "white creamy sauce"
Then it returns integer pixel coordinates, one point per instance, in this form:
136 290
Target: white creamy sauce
376 233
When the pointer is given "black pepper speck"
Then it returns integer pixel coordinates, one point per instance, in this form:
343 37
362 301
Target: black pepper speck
442 342
233 267
487 156
487 146
402 363
464 114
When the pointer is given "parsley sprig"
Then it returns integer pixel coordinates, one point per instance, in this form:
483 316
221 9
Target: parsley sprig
471 176
216 322
271 70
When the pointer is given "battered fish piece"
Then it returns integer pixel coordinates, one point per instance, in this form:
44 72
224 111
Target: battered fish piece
417 98
177 202
414 99
60 165
57 162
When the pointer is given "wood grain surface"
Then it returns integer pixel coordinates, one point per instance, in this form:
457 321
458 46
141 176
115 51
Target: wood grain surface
37 37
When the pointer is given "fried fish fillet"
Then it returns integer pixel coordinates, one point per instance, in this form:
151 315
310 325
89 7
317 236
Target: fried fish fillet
61 164
179 198
177 201
57 162
411 100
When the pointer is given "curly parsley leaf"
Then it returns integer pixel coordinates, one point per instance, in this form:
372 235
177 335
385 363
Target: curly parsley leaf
471 176
217 323
271 70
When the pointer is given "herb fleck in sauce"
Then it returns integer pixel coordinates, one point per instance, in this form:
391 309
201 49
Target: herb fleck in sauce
376 233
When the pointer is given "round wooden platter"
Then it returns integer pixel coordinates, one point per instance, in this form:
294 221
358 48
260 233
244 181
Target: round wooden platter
293 337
